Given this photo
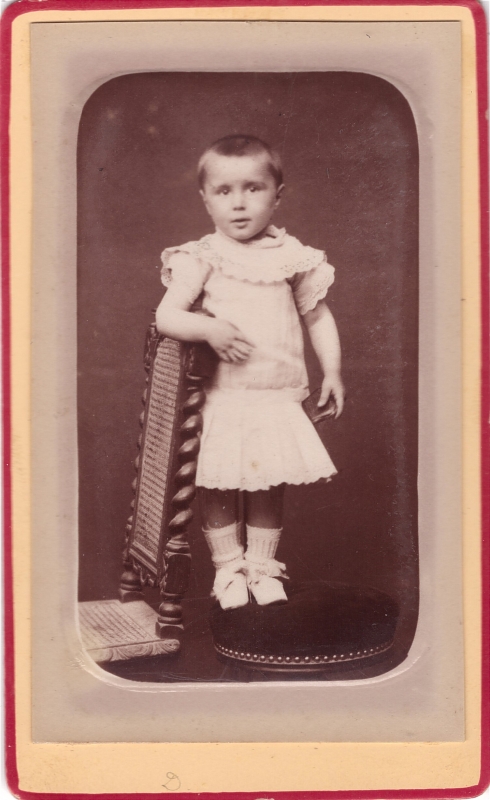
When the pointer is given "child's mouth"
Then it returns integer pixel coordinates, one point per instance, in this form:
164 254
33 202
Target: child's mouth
240 221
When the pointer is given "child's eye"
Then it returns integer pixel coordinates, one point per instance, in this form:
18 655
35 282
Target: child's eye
224 191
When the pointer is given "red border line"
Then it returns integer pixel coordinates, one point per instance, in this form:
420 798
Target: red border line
9 689
25 6
482 87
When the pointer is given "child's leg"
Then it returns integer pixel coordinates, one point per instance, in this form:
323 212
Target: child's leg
263 511
218 508
219 516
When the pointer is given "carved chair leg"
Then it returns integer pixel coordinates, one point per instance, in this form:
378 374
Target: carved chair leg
175 585
177 555
130 587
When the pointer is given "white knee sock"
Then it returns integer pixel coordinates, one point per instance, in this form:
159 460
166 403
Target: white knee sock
224 544
262 543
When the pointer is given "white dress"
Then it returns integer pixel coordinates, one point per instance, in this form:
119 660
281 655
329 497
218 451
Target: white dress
255 432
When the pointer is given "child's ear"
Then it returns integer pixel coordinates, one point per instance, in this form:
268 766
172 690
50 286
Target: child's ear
279 192
201 192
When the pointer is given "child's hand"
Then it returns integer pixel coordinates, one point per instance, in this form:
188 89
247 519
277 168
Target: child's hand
229 342
332 387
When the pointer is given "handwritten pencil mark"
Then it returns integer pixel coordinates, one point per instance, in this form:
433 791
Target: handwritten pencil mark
173 784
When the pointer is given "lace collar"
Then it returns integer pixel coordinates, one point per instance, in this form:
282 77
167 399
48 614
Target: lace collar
247 261
272 237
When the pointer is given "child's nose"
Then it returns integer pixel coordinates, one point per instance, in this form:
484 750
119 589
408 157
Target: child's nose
238 200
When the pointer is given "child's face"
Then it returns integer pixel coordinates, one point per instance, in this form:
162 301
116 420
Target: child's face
240 194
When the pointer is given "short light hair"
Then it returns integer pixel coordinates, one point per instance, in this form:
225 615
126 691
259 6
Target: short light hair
241 145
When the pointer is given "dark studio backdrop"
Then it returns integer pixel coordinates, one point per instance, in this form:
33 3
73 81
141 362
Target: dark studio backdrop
349 148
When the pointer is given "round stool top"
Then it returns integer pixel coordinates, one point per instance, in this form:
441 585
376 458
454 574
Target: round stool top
321 624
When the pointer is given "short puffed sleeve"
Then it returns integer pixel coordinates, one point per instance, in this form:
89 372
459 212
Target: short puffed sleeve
311 286
184 274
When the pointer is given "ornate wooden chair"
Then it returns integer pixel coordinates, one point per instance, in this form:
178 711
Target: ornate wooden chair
156 550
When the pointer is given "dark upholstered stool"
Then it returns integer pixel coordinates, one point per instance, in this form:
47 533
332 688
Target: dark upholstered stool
323 625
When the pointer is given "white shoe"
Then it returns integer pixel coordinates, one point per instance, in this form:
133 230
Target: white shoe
230 585
262 581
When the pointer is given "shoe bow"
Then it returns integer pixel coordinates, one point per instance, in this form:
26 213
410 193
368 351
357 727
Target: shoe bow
270 568
225 575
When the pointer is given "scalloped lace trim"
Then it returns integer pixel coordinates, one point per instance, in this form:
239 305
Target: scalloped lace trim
278 264
166 275
256 485
318 292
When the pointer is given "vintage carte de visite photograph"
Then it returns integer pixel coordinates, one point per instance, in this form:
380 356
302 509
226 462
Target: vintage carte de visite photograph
245 301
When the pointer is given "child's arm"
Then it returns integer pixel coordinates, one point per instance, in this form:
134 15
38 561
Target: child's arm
325 340
174 319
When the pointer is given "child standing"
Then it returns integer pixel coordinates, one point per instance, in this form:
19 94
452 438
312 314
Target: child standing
256 280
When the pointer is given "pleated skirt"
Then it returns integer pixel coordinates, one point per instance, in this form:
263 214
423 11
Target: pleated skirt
255 439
